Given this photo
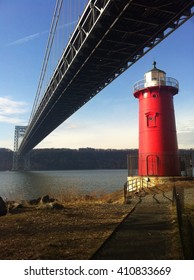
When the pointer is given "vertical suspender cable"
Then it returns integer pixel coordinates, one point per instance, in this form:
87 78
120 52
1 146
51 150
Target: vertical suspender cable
47 55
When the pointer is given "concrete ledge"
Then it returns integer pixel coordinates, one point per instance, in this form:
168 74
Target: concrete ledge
159 180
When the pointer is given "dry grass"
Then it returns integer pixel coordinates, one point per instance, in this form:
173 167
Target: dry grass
75 232
74 196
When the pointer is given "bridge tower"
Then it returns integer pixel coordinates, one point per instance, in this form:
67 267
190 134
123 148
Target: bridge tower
158 148
18 136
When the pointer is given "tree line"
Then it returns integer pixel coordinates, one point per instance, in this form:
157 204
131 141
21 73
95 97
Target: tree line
70 159
76 159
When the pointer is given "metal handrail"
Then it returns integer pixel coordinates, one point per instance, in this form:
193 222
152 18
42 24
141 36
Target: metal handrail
135 184
167 81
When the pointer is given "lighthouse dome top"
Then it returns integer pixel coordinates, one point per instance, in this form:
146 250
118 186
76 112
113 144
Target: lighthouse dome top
155 69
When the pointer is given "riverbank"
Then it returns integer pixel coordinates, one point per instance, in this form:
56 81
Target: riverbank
76 228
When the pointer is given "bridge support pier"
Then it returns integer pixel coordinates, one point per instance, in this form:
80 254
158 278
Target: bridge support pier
15 162
26 160
20 162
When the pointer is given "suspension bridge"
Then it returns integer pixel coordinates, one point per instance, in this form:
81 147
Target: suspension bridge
103 39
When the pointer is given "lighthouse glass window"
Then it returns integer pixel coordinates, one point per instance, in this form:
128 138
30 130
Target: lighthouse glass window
151 120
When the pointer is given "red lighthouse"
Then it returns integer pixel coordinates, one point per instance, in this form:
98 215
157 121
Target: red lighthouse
158 149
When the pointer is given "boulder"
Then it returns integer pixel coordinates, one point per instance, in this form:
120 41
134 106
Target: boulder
16 208
58 206
46 199
3 207
34 201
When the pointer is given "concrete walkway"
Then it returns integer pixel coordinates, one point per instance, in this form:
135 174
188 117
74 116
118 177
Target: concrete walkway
150 232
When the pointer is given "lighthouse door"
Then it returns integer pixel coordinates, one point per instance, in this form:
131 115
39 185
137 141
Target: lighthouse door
152 165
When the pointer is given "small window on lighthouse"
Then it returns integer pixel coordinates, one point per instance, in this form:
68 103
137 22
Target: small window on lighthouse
151 119
145 95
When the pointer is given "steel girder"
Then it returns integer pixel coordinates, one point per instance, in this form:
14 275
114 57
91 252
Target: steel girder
110 36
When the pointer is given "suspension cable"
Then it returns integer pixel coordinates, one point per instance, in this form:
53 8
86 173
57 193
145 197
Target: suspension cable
47 54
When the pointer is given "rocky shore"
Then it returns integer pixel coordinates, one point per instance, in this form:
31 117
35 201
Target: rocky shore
14 207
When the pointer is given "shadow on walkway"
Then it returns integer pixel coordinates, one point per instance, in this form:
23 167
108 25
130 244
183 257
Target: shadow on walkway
150 232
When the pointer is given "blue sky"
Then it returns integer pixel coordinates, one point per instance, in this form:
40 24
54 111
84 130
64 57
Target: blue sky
109 120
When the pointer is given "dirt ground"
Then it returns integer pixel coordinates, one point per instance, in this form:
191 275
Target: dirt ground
38 232
74 232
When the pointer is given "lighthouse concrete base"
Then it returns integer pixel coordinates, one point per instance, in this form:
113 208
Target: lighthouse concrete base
134 183
163 180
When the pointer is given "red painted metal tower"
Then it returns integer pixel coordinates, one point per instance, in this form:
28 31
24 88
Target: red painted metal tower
158 149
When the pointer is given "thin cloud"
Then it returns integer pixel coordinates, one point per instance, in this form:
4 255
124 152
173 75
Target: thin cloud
9 109
26 39
11 120
186 126
34 36
185 133
70 125
67 24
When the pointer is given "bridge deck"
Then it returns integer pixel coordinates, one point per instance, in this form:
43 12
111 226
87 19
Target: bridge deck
109 37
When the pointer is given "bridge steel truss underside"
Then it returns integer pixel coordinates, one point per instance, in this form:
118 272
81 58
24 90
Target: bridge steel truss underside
110 36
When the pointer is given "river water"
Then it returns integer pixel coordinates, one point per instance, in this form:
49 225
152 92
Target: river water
33 184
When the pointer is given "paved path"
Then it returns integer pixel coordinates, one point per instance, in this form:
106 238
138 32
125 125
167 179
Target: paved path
149 232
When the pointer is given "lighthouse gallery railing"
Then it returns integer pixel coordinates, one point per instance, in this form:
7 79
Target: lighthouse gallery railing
168 81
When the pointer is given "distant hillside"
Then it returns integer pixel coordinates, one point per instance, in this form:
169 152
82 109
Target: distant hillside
6 157
68 159
72 159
